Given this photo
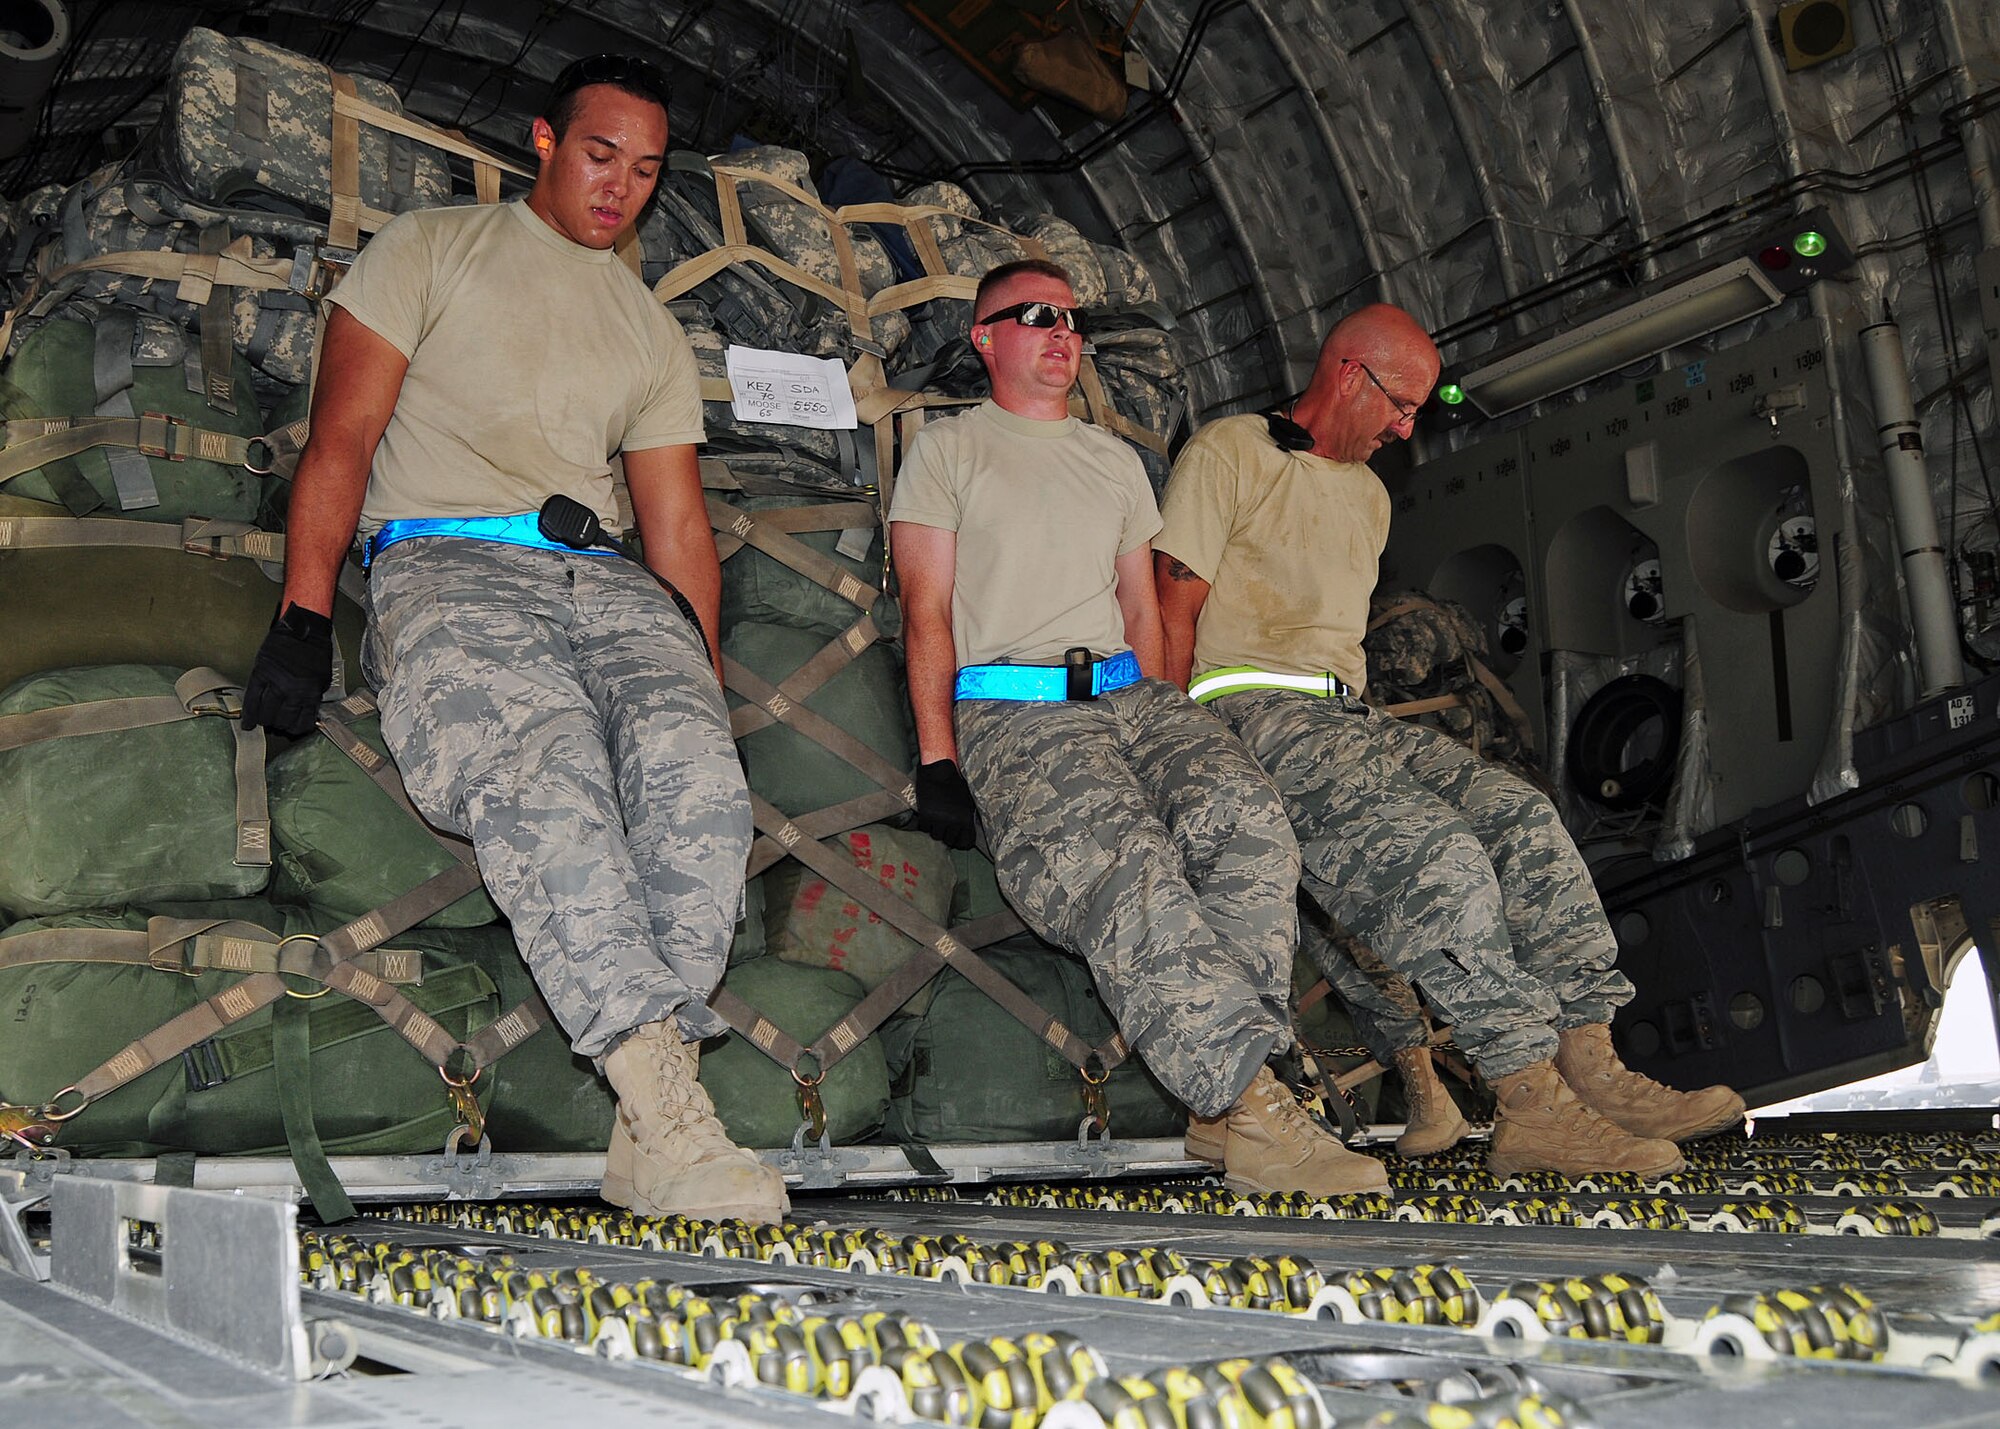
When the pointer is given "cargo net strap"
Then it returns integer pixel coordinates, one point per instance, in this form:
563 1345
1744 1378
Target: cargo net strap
198 693
350 218
490 1043
34 443
876 401
933 947
197 945
196 535
208 279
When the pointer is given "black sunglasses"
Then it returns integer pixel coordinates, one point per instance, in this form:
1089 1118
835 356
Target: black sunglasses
1037 315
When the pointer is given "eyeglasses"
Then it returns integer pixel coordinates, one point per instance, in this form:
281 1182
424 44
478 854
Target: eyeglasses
1405 411
1037 315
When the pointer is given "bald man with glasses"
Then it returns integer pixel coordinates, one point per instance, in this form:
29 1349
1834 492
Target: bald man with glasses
1124 823
1458 874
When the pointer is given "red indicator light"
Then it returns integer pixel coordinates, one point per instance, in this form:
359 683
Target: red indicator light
1776 258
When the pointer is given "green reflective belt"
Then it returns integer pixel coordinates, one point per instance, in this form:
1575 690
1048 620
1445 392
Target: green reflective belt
1235 679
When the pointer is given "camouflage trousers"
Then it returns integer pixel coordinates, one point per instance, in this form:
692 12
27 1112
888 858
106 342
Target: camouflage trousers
1459 874
558 711
1133 829
1388 1014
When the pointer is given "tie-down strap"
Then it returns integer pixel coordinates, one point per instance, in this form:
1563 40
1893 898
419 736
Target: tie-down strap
196 945
437 1046
329 961
196 535
33 442
198 693
935 947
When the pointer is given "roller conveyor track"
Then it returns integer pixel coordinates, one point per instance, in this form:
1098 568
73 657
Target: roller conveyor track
1455 1301
1361 1367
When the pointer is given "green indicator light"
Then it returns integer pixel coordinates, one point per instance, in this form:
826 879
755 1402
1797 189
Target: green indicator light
1451 394
1809 244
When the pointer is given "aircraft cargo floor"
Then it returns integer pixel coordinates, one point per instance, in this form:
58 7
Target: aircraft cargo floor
1797 1278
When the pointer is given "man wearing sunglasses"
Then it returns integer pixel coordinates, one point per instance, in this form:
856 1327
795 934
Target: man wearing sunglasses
1458 874
1124 823
540 695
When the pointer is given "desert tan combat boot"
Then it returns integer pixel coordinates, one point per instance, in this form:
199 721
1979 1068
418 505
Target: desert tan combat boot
1434 1123
669 1154
1641 1105
1541 1125
1268 1142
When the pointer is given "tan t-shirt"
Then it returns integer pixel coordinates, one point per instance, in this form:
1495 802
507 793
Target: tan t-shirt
1042 510
1289 543
532 361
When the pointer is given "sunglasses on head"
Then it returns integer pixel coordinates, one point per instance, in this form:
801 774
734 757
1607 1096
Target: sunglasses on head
1038 315
625 71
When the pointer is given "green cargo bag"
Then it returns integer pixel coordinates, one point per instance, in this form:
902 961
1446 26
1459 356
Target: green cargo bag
758 589
755 1097
541 1095
975 891
751 939
246 115
371 1093
343 846
132 814
814 924
123 364
865 698
64 605
967 1071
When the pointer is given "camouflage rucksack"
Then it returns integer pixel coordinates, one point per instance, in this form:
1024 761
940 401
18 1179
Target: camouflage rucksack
124 237
247 117
1427 661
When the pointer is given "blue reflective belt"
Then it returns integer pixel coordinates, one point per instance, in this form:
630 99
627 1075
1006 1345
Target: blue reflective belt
1042 682
522 530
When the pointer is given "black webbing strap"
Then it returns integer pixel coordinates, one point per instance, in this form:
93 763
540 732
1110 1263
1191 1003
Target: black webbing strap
291 1065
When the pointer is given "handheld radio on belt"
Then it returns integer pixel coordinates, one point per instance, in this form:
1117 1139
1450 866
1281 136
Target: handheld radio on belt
568 522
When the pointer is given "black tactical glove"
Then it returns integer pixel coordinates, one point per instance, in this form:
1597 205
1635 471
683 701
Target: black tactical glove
294 667
945 809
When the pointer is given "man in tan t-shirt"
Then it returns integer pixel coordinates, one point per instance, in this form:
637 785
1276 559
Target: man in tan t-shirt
1124 823
1458 874
558 705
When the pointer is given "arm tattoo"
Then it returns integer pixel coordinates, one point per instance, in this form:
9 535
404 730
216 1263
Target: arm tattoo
1179 572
